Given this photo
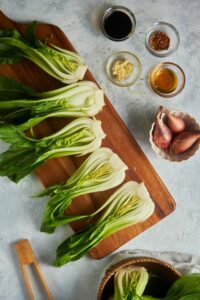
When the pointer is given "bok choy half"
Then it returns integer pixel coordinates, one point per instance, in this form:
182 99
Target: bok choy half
81 136
130 283
82 99
129 205
101 171
66 66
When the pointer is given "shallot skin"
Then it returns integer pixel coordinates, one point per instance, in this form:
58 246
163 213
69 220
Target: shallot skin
183 141
162 135
175 124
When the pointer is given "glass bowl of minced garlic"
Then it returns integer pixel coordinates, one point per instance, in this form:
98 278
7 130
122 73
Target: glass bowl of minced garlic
123 68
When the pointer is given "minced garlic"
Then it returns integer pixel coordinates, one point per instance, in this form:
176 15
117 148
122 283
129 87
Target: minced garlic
122 69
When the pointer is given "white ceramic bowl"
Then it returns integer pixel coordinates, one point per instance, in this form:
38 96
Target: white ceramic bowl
191 125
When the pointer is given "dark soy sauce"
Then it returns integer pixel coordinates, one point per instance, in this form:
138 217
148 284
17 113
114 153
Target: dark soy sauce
118 25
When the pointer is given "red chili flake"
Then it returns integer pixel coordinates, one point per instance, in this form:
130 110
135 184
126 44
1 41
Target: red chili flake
159 41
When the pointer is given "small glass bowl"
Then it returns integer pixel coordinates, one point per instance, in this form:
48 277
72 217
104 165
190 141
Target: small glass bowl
172 33
134 76
176 69
126 11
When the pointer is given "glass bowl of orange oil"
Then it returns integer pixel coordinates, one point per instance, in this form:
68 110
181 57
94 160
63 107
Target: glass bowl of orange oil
167 79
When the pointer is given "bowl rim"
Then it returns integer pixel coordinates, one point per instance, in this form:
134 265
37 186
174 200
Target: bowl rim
176 92
111 9
153 52
127 262
121 53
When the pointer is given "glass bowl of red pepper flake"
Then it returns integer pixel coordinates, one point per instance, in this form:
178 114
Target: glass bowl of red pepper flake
162 39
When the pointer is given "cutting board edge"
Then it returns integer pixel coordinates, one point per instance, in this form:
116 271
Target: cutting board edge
98 257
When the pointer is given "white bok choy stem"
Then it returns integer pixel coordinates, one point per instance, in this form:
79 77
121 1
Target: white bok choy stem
130 283
129 205
101 171
81 136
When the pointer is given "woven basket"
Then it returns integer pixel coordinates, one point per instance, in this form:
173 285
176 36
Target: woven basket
158 285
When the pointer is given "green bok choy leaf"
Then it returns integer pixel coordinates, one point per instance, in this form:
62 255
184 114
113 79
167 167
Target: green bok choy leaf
185 288
101 171
12 89
76 100
66 66
129 205
81 136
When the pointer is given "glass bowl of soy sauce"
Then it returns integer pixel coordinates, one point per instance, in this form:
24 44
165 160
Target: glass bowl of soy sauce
118 23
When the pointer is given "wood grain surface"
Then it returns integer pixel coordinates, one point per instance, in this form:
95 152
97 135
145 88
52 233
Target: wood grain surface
118 138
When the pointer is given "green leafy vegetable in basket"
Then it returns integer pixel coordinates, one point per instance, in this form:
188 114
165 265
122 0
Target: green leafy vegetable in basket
19 103
101 171
185 288
66 66
130 283
81 136
129 205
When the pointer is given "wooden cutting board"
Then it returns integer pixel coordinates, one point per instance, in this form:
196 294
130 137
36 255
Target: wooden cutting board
118 138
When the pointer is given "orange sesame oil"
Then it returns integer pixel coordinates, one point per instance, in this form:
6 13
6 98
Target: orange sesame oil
164 80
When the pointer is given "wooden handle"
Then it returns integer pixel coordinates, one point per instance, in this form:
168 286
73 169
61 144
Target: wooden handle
27 283
27 257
